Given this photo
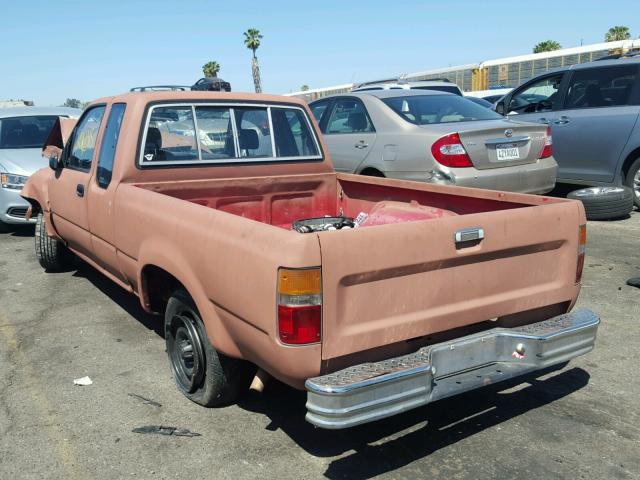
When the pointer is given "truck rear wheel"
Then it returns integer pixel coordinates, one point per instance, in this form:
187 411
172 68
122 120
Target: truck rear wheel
203 375
51 253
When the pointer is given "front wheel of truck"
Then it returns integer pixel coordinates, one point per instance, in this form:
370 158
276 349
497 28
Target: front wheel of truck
51 253
203 375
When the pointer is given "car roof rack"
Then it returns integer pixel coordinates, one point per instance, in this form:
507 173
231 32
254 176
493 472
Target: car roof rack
157 88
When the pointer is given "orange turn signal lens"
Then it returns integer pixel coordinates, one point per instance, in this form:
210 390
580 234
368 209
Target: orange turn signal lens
306 281
583 236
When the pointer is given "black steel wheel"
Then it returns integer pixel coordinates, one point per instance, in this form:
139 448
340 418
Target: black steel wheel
202 374
186 350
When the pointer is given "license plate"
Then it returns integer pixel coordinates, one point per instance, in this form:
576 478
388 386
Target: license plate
505 152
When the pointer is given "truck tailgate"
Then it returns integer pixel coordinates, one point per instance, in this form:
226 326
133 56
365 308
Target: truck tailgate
390 283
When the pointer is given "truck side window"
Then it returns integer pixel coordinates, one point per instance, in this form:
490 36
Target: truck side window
109 143
84 139
171 135
601 87
215 133
293 137
254 132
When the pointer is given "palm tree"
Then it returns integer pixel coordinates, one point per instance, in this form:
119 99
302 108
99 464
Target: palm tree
547 46
252 41
617 33
211 69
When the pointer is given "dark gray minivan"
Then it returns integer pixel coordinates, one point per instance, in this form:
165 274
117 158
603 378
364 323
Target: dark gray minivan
592 109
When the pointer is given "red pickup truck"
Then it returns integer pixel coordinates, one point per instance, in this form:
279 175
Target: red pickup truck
222 212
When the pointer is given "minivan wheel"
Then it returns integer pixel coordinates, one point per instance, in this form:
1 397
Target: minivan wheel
203 375
632 181
604 203
51 253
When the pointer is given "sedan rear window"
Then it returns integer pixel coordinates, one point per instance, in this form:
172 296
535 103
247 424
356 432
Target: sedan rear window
25 132
433 109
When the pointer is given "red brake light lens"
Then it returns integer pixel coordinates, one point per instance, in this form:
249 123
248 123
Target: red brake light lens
299 324
450 152
547 148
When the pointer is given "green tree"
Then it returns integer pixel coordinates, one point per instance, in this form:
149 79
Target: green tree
211 69
72 103
252 42
304 88
617 33
547 46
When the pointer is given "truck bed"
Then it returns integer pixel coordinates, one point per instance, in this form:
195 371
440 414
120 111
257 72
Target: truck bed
395 286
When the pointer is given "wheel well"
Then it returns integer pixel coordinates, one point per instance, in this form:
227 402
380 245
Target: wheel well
372 172
35 206
157 287
629 160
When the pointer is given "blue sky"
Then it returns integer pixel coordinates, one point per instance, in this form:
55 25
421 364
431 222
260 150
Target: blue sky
51 50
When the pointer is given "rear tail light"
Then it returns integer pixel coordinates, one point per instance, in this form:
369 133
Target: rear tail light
582 247
450 152
299 305
547 148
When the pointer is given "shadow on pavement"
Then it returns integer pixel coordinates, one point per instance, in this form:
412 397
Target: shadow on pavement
372 453
128 301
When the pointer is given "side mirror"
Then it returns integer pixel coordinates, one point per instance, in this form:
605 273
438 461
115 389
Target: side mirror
500 107
54 163
54 154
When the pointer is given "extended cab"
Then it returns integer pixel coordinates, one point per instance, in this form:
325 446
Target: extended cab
222 212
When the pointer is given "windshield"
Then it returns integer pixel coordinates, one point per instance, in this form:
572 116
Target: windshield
432 109
25 132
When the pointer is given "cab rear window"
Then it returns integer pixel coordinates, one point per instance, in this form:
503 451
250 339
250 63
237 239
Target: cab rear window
224 133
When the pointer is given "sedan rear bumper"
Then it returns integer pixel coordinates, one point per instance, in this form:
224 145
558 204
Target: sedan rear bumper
371 391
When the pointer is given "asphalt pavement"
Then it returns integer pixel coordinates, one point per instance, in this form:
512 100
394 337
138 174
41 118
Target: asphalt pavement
580 422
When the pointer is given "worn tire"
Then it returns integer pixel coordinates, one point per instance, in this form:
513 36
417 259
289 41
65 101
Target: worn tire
632 180
213 379
604 203
51 253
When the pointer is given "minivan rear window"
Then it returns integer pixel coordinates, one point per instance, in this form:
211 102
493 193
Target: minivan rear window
434 109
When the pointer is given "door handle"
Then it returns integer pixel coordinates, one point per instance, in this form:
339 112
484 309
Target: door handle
80 190
544 120
562 120
361 144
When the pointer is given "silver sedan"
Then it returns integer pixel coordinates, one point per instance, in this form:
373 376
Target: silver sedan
435 137
23 131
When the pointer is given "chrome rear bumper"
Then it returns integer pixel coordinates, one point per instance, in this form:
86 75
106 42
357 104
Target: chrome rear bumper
372 391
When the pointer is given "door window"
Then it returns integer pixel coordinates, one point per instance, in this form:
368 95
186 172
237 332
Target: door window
80 153
319 108
109 143
539 96
349 116
601 87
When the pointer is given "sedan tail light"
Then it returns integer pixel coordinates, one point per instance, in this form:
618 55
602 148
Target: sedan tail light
547 148
450 152
299 305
